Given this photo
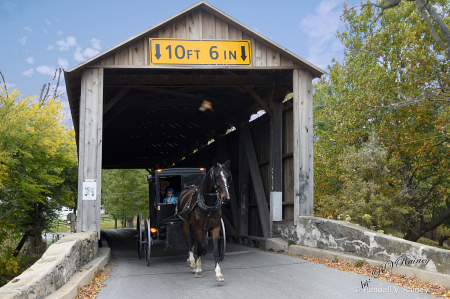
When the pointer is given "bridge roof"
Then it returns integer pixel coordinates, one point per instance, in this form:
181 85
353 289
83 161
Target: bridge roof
151 114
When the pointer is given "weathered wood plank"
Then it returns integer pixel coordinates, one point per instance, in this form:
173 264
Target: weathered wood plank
259 100
192 25
255 175
93 93
221 29
180 27
108 60
166 31
276 142
118 80
99 147
234 33
260 58
81 148
273 57
137 53
243 187
286 61
208 25
303 144
121 56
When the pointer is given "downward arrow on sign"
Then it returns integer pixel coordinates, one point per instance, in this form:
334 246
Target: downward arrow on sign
243 53
157 55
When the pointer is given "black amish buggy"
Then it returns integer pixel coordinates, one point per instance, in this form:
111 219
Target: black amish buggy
165 224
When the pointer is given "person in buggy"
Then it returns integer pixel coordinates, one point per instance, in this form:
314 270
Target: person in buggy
171 198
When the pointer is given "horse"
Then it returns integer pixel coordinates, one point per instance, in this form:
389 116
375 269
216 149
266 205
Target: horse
202 211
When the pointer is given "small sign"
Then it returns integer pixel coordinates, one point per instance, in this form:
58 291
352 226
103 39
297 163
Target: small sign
171 51
89 189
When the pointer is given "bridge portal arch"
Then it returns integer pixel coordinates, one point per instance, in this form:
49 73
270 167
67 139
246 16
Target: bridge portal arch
136 105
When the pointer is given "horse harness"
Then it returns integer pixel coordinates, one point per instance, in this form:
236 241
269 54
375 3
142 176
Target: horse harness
187 210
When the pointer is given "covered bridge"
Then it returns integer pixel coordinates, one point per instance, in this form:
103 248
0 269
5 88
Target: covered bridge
136 106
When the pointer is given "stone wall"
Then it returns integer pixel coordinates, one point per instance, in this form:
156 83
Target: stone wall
346 237
60 262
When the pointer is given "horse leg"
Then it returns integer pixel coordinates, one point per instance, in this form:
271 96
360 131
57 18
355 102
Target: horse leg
216 234
191 259
200 252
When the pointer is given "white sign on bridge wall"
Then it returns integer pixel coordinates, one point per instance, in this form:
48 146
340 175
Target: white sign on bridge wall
89 189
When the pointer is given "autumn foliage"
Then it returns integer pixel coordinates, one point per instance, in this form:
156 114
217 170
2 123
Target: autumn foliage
382 151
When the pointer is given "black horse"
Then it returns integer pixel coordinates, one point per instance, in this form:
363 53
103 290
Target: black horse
202 210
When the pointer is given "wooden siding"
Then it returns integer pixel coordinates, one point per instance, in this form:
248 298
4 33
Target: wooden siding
195 24
260 131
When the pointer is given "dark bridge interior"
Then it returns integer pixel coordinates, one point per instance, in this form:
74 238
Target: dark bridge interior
151 117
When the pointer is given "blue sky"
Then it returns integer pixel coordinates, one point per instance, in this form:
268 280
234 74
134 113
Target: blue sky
39 36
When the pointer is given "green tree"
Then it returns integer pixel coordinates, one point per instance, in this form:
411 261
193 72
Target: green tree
125 194
36 153
393 82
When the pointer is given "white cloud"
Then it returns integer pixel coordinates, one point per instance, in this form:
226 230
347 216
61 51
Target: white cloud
50 47
23 40
30 60
67 43
46 70
64 63
78 56
48 22
96 43
89 52
28 72
60 32
27 29
9 85
321 27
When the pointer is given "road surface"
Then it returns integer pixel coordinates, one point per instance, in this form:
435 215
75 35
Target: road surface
248 272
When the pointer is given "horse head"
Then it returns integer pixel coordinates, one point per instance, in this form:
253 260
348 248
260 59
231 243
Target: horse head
220 174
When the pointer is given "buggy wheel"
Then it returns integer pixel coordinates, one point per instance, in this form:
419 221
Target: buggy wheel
148 243
139 236
222 242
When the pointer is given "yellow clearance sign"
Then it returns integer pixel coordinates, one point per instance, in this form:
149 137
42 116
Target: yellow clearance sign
170 51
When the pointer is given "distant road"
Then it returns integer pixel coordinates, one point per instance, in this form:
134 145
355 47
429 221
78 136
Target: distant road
248 273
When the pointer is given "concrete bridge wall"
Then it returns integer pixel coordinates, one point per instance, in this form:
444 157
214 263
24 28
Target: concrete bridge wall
58 264
341 236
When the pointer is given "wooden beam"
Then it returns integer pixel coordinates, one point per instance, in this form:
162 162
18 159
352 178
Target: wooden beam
258 99
219 80
276 163
90 153
116 98
303 144
244 185
255 174
276 142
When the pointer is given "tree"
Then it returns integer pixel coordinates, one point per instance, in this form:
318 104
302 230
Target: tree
37 160
125 194
429 14
394 82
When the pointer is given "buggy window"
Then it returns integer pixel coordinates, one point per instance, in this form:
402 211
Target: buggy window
191 179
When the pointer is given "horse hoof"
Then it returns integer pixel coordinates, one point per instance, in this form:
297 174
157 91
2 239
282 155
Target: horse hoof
188 262
199 274
220 279
193 269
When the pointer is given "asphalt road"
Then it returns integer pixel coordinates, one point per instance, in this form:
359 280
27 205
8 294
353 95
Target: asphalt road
248 273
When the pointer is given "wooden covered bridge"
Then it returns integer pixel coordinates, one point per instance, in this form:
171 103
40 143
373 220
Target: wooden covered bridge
136 106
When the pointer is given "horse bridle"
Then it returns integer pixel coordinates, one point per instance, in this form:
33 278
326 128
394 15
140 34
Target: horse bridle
213 177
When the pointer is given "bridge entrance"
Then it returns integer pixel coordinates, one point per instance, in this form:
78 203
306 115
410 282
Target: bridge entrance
136 105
